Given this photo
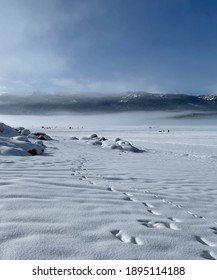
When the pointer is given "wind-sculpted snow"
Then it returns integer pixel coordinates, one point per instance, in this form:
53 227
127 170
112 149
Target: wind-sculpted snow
16 142
84 201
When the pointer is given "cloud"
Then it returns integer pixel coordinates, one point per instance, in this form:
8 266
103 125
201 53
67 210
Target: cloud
108 86
23 53
75 46
31 35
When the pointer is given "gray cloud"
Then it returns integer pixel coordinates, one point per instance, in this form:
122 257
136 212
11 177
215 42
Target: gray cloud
117 84
30 34
40 43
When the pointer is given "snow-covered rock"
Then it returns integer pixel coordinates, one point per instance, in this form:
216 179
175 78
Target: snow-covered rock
73 138
6 130
14 144
39 135
121 145
117 139
42 136
95 142
21 138
116 144
25 132
20 128
93 136
14 147
90 137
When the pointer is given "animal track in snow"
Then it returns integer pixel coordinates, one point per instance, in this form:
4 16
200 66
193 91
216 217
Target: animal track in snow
154 212
83 178
92 183
166 201
158 224
175 220
214 229
209 255
195 216
129 199
148 205
123 237
178 206
111 189
204 241
169 202
128 194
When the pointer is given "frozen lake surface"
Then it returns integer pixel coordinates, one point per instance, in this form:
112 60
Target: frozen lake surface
83 201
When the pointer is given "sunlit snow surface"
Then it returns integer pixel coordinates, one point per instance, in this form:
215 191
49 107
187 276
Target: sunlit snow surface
81 201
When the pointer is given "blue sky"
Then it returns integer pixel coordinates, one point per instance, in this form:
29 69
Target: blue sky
108 46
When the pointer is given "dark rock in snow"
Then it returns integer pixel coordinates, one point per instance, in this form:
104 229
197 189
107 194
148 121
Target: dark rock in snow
41 136
32 152
93 136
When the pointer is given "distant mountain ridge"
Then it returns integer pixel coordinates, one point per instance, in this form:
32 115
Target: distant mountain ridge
131 101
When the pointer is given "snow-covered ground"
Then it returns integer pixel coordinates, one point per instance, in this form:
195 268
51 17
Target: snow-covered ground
83 201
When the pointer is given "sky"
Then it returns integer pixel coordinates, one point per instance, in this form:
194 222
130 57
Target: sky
108 46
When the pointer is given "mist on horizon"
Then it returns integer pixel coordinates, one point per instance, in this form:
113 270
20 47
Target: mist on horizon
54 104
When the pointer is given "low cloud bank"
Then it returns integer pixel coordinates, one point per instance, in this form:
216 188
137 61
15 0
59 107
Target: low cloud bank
49 104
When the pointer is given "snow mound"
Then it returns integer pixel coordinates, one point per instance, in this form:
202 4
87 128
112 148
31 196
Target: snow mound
116 144
16 143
